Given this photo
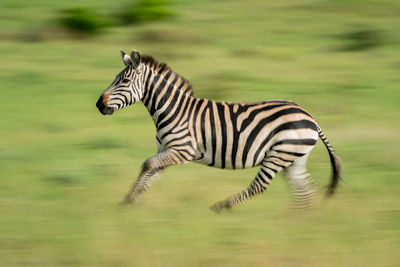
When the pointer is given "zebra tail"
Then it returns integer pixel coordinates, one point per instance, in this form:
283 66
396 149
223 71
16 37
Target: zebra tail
336 165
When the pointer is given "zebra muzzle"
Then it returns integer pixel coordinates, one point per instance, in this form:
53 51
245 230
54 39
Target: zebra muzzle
103 108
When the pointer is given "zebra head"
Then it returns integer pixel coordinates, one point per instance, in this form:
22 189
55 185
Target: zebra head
126 89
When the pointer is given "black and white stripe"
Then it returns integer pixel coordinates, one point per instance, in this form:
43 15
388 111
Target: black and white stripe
275 135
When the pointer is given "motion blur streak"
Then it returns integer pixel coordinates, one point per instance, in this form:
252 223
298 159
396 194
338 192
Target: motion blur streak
64 166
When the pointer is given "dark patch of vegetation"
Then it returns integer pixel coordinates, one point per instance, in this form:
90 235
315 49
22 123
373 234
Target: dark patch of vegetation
170 36
145 11
82 21
30 36
247 52
101 143
48 32
218 86
54 127
86 22
361 39
60 179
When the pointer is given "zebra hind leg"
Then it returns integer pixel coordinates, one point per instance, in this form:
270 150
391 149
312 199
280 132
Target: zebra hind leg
302 185
269 168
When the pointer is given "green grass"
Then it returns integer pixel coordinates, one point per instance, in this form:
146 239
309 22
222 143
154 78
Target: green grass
64 167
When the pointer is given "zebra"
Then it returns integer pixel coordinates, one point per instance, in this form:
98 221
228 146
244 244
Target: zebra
275 135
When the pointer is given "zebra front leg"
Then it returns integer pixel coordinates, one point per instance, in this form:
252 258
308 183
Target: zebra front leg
151 170
144 181
260 183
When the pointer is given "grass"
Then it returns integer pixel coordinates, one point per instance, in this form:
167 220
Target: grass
64 167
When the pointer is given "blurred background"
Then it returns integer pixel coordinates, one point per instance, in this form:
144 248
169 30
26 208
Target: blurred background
64 166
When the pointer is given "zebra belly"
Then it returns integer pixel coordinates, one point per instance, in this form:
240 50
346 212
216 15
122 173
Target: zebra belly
222 160
207 159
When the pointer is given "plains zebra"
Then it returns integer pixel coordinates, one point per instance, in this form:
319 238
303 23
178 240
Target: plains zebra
277 134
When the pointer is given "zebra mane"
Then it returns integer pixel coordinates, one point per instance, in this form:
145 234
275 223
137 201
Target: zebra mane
163 68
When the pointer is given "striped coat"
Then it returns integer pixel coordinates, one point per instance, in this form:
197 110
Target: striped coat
275 135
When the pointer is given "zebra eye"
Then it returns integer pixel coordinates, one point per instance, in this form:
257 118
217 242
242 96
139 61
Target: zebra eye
125 80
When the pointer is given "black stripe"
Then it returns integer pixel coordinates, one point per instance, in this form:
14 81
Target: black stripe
169 108
188 143
254 113
176 139
174 115
181 154
117 98
221 113
157 92
190 107
276 157
180 120
151 88
213 134
179 131
266 173
256 130
147 94
167 94
196 112
301 124
276 164
124 97
309 142
203 126
262 179
272 169
290 153
252 136
235 142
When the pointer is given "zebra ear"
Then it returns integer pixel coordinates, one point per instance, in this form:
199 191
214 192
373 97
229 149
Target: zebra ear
135 58
126 58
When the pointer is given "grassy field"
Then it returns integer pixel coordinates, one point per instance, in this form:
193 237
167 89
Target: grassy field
64 166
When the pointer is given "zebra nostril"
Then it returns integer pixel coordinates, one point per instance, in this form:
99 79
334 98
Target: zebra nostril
100 104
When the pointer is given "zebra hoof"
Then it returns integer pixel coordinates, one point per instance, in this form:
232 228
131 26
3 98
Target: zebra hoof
123 203
126 202
215 208
219 206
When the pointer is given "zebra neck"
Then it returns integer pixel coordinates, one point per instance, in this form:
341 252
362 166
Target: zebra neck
164 96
